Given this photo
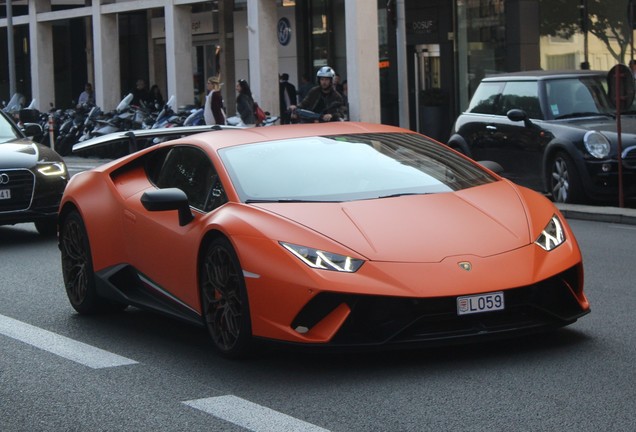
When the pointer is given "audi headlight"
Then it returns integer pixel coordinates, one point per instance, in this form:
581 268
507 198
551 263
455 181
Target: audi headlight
597 144
552 235
52 169
324 260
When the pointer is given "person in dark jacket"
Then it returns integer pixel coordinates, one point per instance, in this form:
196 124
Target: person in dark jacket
323 99
287 95
245 103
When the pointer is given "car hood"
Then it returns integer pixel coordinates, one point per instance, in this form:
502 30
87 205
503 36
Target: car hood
24 153
605 124
482 221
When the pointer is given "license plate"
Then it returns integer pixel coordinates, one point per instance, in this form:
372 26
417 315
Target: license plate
480 303
5 193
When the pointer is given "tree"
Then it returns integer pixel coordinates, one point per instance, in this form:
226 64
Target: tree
607 20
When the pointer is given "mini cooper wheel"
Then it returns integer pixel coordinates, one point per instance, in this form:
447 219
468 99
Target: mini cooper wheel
224 301
77 268
563 180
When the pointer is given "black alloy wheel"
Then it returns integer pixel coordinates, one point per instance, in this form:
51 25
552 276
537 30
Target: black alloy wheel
77 268
563 180
224 300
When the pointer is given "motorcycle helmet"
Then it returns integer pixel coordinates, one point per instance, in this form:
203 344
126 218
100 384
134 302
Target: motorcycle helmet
325 72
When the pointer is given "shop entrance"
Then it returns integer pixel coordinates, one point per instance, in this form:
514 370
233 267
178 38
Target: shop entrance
206 63
430 100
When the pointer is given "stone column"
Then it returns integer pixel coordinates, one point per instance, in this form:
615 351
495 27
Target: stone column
41 56
262 16
178 24
106 59
363 76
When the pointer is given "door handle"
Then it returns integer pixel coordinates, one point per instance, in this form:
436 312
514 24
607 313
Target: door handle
491 128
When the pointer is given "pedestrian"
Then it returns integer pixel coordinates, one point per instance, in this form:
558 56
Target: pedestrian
345 99
245 104
156 99
287 95
141 95
214 111
304 87
323 99
87 97
337 83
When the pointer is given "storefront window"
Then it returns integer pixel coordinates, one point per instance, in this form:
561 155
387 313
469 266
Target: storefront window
320 32
482 36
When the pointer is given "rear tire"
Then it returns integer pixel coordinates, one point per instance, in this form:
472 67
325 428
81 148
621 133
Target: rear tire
224 302
77 269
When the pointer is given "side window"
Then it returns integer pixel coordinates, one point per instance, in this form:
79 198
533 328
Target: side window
190 170
521 95
486 98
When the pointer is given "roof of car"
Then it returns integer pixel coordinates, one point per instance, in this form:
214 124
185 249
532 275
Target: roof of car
225 138
543 74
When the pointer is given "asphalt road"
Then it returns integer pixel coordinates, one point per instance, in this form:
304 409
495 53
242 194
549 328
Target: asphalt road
160 375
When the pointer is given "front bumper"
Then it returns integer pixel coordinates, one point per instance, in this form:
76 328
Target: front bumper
381 321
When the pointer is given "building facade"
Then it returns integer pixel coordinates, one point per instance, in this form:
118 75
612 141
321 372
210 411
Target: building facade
407 62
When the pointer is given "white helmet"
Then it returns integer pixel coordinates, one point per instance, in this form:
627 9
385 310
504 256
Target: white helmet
325 72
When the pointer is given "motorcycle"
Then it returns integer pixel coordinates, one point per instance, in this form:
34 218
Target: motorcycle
308 116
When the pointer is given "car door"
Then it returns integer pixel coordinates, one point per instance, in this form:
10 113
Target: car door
164 252
474 125
517 145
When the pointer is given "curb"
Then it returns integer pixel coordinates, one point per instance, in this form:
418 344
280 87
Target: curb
617 215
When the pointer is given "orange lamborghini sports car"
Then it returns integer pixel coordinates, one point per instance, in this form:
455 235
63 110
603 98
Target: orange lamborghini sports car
333 235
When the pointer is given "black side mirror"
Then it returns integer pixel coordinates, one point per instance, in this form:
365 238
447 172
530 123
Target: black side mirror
32 129
517 115
168 199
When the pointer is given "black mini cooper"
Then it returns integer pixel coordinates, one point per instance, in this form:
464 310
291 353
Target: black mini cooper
554 132
32 178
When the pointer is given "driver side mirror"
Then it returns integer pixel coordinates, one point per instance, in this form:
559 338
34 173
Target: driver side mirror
517 115
168 199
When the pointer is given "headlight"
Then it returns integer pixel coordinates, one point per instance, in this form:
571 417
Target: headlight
597 144
319 259
52 169
552 235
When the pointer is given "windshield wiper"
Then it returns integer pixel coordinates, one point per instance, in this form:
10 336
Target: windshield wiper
583 114
262 201
403 194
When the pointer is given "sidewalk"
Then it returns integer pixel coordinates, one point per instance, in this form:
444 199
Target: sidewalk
599 213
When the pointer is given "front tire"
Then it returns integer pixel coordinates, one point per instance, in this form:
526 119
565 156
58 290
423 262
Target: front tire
77 268
563 180
224 300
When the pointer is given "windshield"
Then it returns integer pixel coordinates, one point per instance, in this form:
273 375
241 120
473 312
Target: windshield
347 167
575 96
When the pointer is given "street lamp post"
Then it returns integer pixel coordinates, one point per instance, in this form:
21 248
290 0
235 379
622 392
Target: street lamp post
584 28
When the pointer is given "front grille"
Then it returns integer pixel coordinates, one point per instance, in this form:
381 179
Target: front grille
19 183
388 320
629 157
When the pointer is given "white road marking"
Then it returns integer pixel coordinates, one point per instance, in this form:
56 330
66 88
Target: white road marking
249 415
62 346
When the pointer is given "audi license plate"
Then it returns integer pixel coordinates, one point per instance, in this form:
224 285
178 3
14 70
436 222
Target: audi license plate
5 193
480 303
